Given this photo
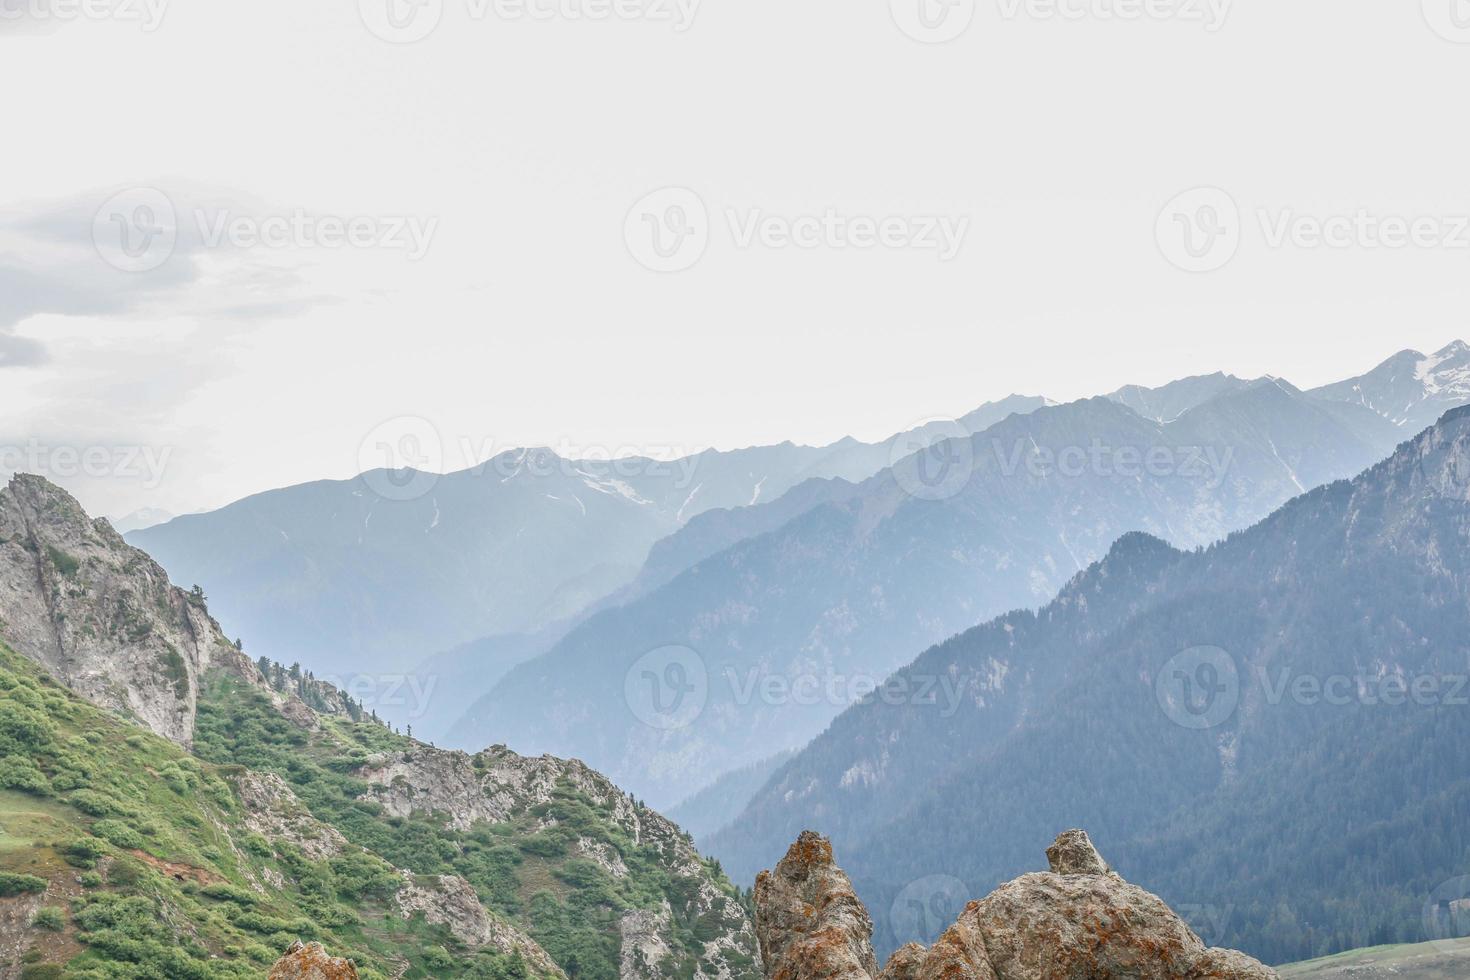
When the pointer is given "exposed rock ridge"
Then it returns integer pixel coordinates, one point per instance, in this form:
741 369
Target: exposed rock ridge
102 618
100 615
498 786
1078 921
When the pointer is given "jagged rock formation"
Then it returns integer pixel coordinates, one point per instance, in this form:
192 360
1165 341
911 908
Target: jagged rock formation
1078 921
101 616
450 901
498 786
809 920
309 961
1073 854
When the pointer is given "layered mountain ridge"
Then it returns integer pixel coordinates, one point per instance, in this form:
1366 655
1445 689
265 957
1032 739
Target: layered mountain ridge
840 594
1308 665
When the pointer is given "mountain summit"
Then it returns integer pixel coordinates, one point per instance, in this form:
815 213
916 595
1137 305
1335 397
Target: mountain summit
1410 389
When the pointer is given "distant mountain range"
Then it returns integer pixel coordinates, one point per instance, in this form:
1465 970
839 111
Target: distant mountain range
1269 730
344 576
141 519
837 584
572 568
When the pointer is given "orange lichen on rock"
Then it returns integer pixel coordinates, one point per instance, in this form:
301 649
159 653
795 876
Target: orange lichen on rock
1077 921
309 961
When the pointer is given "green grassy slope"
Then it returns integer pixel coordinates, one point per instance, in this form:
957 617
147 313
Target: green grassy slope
121 856
1445 960
532 868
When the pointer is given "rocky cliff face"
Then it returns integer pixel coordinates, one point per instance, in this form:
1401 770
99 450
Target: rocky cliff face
1078 921
101 616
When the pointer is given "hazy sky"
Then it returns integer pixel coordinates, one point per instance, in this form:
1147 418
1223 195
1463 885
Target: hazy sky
997 213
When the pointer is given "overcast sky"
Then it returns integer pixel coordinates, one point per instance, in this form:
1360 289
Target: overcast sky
1003 212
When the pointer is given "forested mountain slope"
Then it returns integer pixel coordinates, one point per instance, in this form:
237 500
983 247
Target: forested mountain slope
1267 730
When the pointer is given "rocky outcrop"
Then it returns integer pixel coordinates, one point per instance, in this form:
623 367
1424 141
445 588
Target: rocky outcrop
100 615
1073 854
499 786
1078 921
644 943
272 809
809 921
309 961
450 901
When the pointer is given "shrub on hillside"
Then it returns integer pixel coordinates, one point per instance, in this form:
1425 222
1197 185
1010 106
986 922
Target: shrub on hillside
13 884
